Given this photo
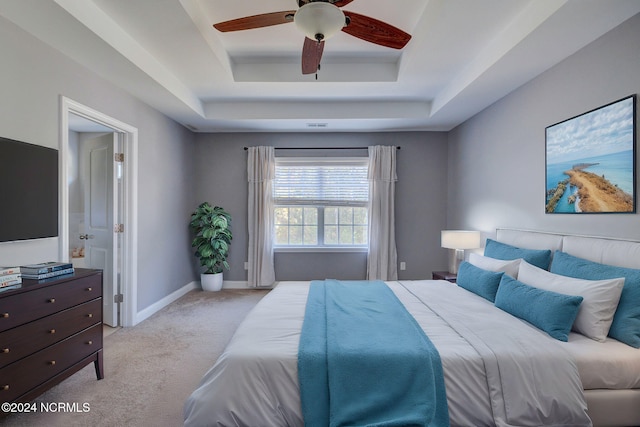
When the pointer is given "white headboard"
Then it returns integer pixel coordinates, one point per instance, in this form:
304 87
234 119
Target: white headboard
530 239
605 250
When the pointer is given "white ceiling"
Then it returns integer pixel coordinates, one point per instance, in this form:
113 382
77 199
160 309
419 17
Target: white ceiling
463 56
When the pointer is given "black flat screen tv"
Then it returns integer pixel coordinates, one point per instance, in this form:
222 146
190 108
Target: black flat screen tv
28 191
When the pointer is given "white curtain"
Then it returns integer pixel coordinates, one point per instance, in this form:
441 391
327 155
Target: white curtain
382 259
260 171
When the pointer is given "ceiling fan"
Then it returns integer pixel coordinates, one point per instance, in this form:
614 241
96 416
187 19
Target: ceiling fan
319 20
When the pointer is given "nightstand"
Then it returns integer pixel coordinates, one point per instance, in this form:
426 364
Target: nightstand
444 275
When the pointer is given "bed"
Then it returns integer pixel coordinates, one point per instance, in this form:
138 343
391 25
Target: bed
519 376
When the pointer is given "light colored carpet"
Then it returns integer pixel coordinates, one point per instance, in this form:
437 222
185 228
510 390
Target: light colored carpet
150 369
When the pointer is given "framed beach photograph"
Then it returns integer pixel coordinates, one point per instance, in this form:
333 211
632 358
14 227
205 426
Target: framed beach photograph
591 161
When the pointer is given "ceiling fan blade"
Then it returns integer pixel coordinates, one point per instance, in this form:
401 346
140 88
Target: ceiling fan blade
374 31
256 21
338 3
311 55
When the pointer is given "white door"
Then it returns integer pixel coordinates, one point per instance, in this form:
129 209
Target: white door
99 215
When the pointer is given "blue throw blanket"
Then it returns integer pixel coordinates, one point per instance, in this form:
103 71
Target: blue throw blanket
364 361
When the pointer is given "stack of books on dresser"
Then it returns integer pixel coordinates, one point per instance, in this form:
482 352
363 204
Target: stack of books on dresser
10 278
46 270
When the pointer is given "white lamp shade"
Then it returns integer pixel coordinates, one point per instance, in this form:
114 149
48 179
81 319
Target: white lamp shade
319 18
460 239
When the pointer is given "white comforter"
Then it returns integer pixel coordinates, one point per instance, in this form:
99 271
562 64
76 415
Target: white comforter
498 370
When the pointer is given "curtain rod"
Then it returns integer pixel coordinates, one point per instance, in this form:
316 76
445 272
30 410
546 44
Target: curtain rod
320 148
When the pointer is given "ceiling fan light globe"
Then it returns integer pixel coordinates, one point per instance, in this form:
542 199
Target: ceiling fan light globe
319 18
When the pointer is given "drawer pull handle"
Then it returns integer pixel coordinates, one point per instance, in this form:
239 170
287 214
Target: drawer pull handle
5 387
4 350
5 315
89 289
53 362
52 300
89 342
90 315
52 331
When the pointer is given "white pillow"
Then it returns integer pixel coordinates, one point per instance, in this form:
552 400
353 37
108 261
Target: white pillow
600 297
486 263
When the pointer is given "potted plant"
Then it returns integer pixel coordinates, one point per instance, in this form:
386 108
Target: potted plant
212 227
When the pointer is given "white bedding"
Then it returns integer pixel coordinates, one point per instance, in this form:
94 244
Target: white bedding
605 365
491 378
610 365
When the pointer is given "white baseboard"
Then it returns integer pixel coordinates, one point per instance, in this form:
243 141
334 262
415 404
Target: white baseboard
235 284
241 284
159 305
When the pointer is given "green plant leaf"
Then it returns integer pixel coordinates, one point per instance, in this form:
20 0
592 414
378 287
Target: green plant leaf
211 226
205 251
219 222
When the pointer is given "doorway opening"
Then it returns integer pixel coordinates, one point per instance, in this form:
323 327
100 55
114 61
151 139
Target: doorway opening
99 204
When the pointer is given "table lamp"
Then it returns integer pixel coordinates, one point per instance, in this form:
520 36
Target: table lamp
458 241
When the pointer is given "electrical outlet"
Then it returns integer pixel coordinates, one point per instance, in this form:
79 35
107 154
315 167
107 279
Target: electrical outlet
403 265
246 265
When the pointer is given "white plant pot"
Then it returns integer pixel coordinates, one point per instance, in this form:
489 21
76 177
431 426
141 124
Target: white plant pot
211 282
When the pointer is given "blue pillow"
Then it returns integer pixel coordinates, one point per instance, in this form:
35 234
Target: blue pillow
481 282
550 311
538 257
626 321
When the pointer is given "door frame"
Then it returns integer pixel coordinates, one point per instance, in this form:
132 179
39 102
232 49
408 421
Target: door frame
130 197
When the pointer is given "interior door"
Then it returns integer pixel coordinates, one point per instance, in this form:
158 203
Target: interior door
99 216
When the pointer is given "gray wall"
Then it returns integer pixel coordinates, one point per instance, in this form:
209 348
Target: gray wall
221 167
494 177
497 158
32 77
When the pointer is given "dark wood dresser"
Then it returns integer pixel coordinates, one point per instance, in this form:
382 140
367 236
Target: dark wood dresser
49 329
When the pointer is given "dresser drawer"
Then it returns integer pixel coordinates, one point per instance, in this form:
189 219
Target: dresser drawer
28 306
23 375
23 340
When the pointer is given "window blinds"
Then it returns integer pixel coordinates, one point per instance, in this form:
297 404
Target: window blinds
321 181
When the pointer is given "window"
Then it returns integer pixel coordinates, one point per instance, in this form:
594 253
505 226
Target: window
321 202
